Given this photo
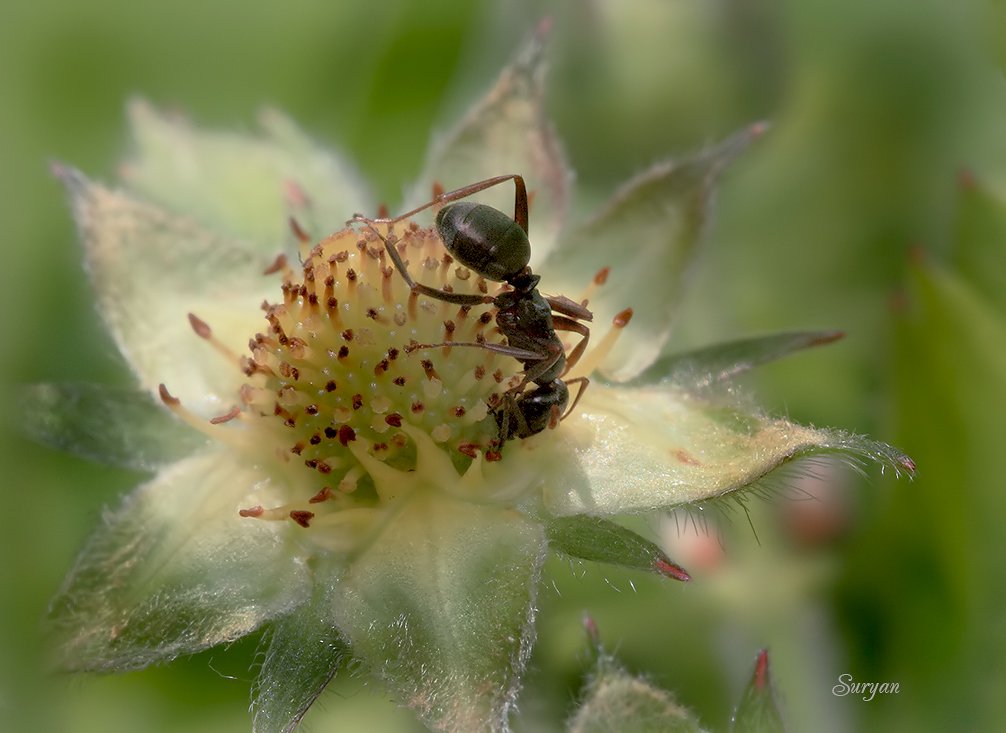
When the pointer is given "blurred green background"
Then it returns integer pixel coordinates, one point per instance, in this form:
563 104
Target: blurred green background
852 213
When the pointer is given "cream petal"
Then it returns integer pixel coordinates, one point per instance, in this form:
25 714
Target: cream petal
174 569
150 270
634 449
508 131
648 235
242 185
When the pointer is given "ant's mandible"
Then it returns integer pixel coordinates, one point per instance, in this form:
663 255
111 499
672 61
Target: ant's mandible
489 242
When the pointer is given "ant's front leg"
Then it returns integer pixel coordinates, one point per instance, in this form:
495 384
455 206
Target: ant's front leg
520 201
396 258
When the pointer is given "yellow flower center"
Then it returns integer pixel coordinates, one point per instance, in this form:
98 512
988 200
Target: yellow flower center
345 403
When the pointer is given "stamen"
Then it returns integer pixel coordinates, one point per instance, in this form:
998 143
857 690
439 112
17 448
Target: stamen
593 358
598 280
203 331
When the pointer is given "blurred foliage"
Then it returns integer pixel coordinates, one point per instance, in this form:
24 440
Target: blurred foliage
850 214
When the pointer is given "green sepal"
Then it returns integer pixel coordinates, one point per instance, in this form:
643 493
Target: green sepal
303 652
720 362
119 426
441 606
601 540
757 711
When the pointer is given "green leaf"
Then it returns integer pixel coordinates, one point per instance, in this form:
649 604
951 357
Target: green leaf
981 240
304 652
599 540
615 700
174 570
151 269
757 711
120 426
648 235
441 608
933 559
630 449
240 185
720 362
508 131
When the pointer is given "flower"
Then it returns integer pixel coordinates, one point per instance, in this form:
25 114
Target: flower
321 470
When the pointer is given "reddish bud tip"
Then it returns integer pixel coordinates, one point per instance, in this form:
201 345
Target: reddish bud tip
671 570
760 678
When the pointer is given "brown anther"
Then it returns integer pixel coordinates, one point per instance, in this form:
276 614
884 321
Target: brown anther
438 189
431 373
399 440
302 236
330 385
343 352
323 495
357 401
381 367
449 327
481 283
498 375
417 407
255 511
398 381
394 420
392 353
340 256
479 371
315 439
459 411
346 435
602 276
621 320
233 413
331 432
347 335
468 449
485 318
323 468
493 455
280 262
166 397
297 449
311 409
201 327
301 517
351 275
382 211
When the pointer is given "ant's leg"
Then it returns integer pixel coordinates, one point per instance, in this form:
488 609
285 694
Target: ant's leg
519 354
565 306
561 323
457 298
520 204
583 382
545 361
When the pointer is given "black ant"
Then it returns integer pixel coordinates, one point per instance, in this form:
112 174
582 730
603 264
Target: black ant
489 242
